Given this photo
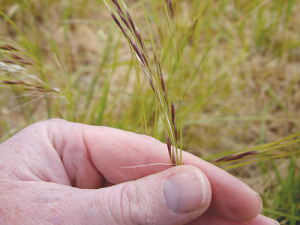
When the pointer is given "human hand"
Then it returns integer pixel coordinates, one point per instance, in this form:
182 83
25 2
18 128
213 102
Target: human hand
57 172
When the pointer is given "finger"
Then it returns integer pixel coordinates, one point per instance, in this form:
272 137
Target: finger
213 220
174 196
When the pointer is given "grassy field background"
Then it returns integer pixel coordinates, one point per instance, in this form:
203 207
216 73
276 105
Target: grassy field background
241 79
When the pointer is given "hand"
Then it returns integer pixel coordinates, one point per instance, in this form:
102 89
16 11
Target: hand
57 172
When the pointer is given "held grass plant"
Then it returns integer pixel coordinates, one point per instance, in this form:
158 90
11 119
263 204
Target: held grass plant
240 85
123 18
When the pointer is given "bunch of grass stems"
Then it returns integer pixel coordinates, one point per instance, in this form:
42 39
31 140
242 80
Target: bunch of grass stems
124 20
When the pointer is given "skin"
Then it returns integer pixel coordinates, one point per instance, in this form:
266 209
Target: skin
57 172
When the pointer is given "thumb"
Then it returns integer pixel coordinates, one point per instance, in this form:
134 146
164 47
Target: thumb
174 196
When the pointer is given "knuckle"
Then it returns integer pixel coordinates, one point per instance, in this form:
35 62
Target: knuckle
53 121
48 122
42 125
135 203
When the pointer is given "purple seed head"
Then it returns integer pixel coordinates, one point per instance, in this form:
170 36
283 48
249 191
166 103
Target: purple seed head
145 60
240 156
161 79
117 5
7 61
175 131
173 113
16 57
25 62
12 82
138 52
123 19
223 158
130 21
151 84
7 47
117 22
236 157
168 145
169 2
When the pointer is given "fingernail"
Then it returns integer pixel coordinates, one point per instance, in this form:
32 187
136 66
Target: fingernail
274 222
268 221
261 202
185 191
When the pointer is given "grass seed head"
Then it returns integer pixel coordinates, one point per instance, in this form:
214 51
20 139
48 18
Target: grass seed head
124 19
25 62
168 145
236 156
169 2
173 113
175 131
12 82
6 47
7 61
16 57
117 22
